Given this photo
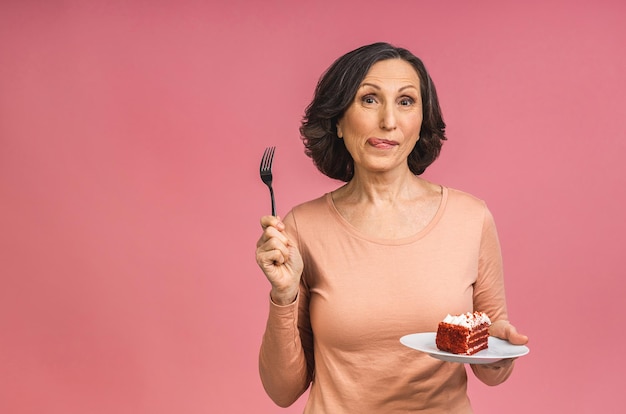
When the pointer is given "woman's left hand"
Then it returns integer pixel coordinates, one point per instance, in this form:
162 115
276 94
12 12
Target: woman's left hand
504 330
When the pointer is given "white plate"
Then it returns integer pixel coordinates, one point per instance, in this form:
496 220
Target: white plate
498 349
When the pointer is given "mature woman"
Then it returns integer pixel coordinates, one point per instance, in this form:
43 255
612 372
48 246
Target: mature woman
386 254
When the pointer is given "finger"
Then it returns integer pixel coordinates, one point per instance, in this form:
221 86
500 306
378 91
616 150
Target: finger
503 363
499 329
515 337
269 259
272 221
504 330
274 241
273 234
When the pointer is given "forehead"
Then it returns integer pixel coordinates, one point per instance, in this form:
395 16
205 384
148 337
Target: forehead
396 70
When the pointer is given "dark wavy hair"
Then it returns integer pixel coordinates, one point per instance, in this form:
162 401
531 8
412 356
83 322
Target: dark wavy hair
335 92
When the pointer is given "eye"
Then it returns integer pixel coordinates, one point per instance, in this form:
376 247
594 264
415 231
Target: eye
406 101
368 99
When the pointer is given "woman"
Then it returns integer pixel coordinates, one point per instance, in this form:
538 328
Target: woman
386 254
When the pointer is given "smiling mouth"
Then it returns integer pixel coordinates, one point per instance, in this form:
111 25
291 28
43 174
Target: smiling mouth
381 143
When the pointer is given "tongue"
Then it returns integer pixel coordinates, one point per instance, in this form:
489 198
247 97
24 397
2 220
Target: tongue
380 142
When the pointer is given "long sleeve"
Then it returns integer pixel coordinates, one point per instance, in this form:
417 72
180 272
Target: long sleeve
489 295
286 354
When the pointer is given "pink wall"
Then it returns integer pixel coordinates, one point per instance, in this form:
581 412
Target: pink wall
130 136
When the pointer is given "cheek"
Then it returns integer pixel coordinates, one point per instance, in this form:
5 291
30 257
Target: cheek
414 127
358 122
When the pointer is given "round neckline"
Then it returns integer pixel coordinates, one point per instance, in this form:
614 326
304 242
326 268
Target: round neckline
390 242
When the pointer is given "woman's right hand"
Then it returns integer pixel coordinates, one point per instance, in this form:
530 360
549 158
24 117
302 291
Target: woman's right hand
280 260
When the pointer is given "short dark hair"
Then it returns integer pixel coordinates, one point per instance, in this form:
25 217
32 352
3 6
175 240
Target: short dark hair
335 92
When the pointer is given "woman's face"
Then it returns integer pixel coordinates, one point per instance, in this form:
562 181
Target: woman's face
382 124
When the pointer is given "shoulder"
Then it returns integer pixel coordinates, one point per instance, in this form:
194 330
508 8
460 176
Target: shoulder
466 200
310 222
312 207
465 207
309 213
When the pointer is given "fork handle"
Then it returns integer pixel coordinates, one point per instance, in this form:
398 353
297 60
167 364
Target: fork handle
273 203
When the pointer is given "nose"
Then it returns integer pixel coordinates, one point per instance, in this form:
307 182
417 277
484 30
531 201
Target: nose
388 118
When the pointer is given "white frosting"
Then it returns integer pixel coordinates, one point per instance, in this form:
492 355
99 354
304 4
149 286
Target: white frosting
468 320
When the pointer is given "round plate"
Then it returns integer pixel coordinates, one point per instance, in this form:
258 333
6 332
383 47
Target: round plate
498 349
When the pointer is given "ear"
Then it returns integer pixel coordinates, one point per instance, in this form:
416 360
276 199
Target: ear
339 130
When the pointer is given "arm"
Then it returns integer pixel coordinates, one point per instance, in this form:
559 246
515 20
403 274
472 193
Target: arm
489 297
284 366
285 370
498 372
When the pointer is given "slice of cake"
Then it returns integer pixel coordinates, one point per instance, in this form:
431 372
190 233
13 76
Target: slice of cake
463 334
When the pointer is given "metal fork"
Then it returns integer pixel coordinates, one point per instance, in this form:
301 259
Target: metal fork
266 172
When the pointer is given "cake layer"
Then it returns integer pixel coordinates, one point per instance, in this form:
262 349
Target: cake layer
465 334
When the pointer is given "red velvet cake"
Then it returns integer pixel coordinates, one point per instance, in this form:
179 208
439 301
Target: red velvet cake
464 334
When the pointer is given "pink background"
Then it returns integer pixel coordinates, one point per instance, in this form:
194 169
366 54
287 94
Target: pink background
130 138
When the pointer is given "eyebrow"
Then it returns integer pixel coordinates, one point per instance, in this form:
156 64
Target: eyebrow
379 88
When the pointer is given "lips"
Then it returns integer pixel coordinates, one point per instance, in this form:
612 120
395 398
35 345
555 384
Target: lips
381 143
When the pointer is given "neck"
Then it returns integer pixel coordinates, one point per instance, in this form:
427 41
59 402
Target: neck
387 188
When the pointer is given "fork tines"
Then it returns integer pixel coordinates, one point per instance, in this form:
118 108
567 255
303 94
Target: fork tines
268 158
266 173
